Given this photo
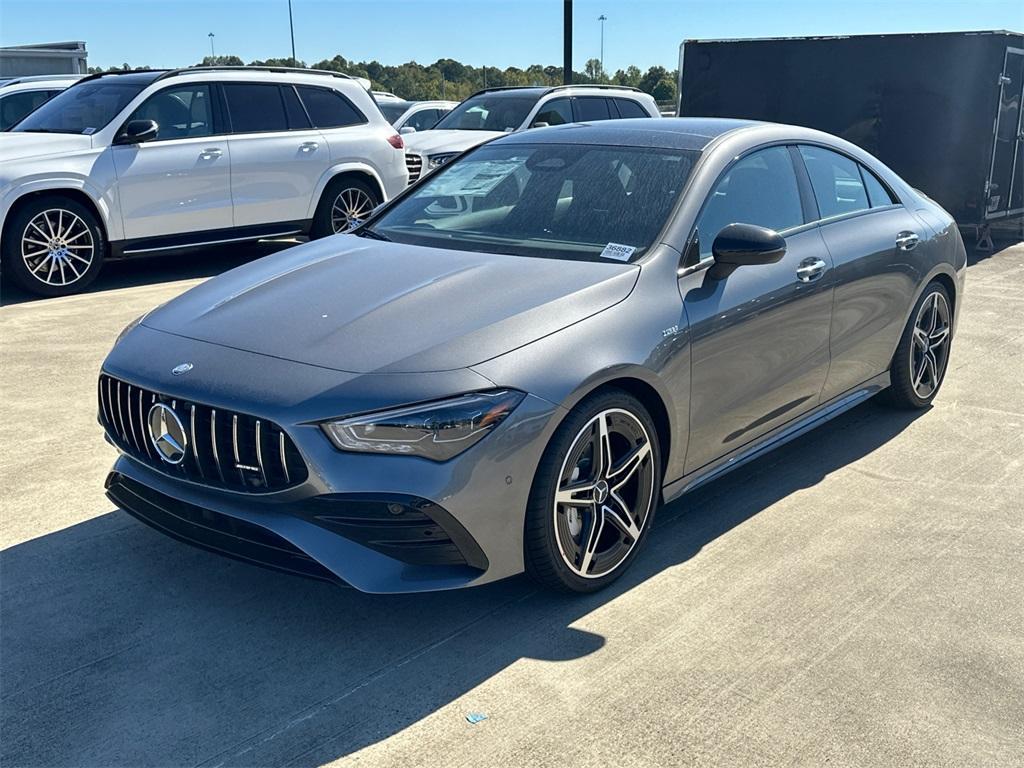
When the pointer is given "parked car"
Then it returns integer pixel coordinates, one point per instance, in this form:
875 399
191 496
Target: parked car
412 116
124 164
20 96
494 111
446 397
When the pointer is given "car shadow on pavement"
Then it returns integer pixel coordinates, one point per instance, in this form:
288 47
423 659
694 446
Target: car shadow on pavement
122 647
152 270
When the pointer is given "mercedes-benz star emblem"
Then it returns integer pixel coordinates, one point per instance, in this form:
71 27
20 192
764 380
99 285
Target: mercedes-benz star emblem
180 369
167 433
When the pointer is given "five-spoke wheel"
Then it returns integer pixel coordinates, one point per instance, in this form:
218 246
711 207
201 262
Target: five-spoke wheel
599 487
922 356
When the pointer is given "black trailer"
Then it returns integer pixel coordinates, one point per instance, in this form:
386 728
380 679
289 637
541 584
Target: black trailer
943 110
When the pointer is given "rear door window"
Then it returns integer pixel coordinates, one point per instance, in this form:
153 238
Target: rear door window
329 109
836 181
255 107
629 108
878 195
590 108
297 119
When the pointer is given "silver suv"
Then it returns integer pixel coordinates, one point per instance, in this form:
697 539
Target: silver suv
149 162
496 111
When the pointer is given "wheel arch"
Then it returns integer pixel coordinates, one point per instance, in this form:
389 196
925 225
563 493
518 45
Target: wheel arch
361 171
944 274
77 194
642 385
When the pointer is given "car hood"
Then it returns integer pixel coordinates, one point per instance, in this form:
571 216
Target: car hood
20 145
434 141
363 306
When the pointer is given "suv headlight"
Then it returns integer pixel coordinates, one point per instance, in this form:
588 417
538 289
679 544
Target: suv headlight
436 161
436 431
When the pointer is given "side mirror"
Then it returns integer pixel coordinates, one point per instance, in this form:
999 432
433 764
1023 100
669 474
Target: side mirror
405 130
743 245
137 132
540 124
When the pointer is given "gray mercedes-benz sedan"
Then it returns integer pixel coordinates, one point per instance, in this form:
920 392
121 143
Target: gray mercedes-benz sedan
511 365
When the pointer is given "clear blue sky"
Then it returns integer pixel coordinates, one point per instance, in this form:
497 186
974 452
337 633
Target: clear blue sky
167 33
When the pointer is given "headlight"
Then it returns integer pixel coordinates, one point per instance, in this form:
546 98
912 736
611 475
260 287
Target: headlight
124 331
436 161
436 431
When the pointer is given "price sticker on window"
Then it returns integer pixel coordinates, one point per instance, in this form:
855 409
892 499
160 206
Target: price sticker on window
618 252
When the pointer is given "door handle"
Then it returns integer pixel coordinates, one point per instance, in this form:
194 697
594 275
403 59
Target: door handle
308 146
810 270
210 153
907 241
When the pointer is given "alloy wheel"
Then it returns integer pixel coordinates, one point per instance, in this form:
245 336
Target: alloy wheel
350 209
930 348
605 493
57 247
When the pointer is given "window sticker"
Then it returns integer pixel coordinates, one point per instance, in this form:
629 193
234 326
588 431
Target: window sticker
88 131
472 179
618 252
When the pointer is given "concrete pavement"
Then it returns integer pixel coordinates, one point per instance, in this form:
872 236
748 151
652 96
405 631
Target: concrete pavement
852 599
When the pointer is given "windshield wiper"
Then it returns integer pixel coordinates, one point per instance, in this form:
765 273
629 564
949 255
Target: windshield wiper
373 235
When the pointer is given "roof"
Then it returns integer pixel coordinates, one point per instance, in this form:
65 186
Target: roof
666 133
846 37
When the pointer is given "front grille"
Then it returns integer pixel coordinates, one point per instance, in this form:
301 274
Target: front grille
415 165
224 449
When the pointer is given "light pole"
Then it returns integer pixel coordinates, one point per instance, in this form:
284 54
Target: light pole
567 43
213 54
291 28
602 18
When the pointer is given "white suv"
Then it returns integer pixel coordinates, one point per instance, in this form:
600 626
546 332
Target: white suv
494 111
20 96
159 161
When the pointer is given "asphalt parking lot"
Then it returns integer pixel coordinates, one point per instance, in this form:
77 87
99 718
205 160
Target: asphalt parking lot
852 599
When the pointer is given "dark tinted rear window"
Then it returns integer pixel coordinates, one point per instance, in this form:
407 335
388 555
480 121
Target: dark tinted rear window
329 109
629 108
255 107
591 108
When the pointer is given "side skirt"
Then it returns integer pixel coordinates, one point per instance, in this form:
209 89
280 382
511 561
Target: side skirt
170 244
781 436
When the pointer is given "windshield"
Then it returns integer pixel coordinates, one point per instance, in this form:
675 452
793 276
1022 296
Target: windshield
392 110
563 201
84 108
489 112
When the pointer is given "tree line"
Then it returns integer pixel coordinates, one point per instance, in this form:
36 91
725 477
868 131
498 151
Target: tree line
455 81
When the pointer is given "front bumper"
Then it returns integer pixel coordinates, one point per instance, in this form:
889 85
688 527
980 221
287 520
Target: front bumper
382 524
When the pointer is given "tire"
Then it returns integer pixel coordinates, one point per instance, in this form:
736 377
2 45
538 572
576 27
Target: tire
559 536
342 198
922 357
53 246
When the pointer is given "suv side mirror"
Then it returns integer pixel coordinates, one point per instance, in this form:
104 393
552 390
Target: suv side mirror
137 132
405 130
742 245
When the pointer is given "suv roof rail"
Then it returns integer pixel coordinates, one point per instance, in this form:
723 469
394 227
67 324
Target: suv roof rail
257 68
552 88
38 78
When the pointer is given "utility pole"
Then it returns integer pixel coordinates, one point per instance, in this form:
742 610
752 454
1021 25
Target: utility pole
291 27
213 54
602 18
567 44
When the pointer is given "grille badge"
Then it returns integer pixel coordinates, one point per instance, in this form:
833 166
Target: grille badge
167 433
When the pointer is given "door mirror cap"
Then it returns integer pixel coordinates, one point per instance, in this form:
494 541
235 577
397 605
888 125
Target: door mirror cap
137 132
743 245
405 130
